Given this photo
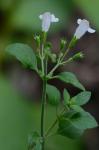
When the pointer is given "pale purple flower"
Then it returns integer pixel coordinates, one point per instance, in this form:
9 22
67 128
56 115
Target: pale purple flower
83 28
47 18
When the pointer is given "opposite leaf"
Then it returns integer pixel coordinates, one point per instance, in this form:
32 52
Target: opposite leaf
81 98
77 108
53 94
72 124
69 77
84 121
66 96
81 119
24 54
68 129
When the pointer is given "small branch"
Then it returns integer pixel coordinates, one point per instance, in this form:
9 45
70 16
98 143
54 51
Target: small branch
51 72
51 127
71 45
60 61
67 61
53 124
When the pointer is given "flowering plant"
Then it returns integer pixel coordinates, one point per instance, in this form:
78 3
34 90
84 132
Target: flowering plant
72 120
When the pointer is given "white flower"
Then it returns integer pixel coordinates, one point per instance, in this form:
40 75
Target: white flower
83 28
47 18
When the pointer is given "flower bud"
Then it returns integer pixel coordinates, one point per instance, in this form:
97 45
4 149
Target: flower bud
53 58
77 56
37 39
63 44
72 42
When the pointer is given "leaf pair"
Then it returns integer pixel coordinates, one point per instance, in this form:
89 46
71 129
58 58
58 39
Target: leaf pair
80 99
54 94
75 121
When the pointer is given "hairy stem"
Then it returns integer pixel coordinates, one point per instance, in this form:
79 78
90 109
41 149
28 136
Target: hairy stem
42 113
44 71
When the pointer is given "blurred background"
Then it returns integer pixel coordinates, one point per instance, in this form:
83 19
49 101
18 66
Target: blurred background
20 89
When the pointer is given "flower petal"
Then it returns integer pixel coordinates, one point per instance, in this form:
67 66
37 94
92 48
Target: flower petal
46 21
40 16
82 29
54 19
90 30
79 21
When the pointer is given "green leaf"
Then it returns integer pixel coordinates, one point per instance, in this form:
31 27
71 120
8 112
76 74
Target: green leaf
81 119
53 94
82 98
72 123
84 121
70 113
69 77
34 141
67 129
66 96
24 54
76 108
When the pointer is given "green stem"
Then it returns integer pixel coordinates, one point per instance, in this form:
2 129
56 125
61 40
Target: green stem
42 59
66 52
71 45
67 61
57 65
43 104
44 71
42 113
61 60
51 72
44 36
